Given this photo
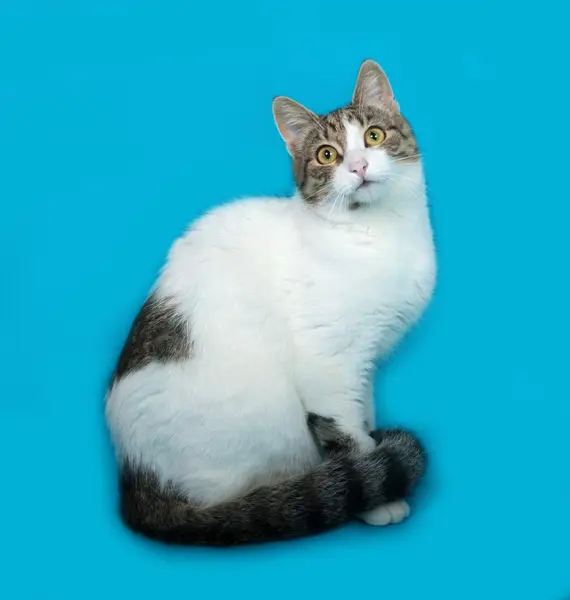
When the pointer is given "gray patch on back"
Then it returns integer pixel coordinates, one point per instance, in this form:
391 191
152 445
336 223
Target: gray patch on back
159 333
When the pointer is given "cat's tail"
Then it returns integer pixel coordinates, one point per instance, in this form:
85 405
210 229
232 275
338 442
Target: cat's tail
338 490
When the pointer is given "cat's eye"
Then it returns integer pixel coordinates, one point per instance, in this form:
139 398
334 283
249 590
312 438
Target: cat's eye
326 155
374 136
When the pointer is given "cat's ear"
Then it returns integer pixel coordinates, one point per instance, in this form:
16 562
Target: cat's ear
291 119
372 87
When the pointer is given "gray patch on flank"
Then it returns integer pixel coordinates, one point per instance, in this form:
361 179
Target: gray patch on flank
159 333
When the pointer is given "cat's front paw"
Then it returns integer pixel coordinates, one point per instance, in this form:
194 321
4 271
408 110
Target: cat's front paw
364 442
387 514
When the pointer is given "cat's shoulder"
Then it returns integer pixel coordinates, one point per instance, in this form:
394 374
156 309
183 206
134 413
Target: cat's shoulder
242 212
236 224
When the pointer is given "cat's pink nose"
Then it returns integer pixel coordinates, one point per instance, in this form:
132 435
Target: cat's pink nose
358 167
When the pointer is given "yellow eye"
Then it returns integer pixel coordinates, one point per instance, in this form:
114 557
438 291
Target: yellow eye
326 155
374 136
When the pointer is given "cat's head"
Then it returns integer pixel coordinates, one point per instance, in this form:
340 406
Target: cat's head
354 154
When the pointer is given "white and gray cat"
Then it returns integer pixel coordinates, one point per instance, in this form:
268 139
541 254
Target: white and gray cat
242 407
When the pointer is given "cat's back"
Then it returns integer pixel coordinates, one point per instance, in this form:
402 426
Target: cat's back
239 226
226 275
244 236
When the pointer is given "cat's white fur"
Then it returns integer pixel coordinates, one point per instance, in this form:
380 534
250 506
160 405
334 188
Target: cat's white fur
288 307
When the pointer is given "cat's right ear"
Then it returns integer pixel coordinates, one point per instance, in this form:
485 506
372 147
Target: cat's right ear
291 119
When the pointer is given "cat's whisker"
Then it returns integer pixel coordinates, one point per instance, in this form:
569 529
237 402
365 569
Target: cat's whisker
333 206
325 200
397 177
341 195
318 191
344 200
405 159
409 184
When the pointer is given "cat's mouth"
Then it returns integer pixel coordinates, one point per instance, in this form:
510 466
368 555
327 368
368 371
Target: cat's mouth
366 191
368 183
365 184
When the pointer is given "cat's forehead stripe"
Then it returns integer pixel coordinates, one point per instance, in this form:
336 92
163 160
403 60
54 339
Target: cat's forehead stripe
354 135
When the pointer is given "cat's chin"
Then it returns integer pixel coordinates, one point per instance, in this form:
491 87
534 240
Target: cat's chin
368 193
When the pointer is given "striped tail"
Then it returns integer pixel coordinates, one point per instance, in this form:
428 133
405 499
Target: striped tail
345 485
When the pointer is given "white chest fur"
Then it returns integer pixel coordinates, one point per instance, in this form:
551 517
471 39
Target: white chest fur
371 277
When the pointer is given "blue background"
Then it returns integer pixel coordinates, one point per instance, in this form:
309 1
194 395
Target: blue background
112 116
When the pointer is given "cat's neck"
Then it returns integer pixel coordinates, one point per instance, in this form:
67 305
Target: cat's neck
403 198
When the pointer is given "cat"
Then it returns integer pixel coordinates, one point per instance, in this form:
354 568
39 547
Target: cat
241 407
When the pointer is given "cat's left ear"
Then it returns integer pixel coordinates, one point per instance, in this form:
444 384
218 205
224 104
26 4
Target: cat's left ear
292 119
372 87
